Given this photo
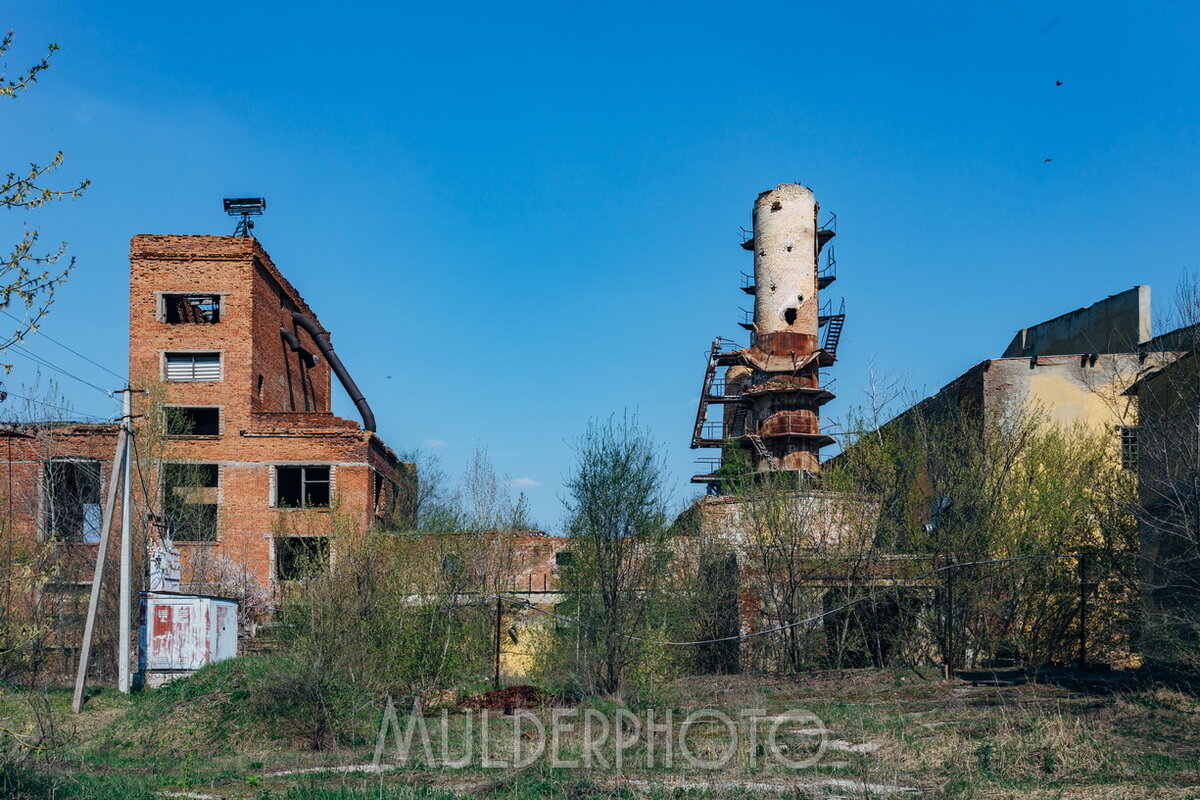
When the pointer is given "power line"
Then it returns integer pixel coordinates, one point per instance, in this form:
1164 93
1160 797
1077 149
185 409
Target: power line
65 347
43 362
137 464
58 408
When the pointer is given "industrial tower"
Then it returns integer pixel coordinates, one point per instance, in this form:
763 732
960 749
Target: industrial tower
771 392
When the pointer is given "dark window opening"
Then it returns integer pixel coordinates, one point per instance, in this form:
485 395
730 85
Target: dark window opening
302 487
190 501
297 557
197 309
386 498
185 421
260 386
1129 447
73 500
452 564
563 558
789 316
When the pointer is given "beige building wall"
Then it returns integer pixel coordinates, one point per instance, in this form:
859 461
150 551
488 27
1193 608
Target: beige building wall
1068 390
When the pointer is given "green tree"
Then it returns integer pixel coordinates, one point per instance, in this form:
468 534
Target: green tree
615 585
957 486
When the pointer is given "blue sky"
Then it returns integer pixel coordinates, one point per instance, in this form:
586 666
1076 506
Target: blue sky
515 217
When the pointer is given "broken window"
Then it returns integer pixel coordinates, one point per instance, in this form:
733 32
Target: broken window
190 501
73 500
197 309
1129 447
297 557
193 366
386 493
302 487
192 421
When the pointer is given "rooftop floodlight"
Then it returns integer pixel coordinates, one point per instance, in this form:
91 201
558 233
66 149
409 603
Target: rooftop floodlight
245 208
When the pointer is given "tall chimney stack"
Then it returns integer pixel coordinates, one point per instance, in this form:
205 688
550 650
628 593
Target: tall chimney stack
783 391
772 392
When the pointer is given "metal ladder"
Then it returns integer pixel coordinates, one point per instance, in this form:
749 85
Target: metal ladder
833 330
761 449
705 390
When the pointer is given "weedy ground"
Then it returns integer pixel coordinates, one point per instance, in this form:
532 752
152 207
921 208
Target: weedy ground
225 733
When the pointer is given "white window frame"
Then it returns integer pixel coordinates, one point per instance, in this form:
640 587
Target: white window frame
273 485
193 354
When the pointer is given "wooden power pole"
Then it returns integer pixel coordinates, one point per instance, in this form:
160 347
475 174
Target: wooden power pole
85 651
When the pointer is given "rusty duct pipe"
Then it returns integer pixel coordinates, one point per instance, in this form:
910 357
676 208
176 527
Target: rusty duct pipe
293 342
322 339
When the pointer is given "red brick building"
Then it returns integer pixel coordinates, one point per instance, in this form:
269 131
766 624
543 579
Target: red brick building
239 456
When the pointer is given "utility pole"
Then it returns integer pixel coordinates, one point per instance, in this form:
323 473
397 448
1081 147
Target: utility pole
499 609
85 650
125 624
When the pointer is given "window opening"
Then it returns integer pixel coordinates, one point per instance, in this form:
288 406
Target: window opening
190 501
1129 447
302 487
73 500
193 421
195 309
297 557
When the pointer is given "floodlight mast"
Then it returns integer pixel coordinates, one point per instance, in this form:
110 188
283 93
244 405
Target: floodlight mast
245 208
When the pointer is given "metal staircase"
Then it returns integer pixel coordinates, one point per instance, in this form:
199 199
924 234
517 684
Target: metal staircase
702 410
827 274
761 449
711 392
833 324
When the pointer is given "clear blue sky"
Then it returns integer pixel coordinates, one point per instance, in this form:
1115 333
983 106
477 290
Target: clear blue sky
517 216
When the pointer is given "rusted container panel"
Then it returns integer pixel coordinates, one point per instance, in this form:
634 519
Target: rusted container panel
184 632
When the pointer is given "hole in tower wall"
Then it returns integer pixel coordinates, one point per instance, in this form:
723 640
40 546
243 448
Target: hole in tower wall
789 316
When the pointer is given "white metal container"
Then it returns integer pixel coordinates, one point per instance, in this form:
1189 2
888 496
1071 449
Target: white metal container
181 633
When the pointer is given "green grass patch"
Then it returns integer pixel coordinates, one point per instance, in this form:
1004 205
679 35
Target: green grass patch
235 706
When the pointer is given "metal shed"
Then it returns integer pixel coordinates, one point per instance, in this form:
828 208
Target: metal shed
180 633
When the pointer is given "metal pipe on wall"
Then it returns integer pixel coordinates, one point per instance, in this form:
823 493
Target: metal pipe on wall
322 340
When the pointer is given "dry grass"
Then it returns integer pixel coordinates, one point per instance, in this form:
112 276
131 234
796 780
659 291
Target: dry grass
886 729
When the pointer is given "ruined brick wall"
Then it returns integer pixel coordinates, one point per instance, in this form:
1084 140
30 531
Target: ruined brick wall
285 421
46 571
26 450
256 301
283 381
274 407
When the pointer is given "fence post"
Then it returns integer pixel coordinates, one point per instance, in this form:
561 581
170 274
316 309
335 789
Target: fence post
1082 610
499 613
949 666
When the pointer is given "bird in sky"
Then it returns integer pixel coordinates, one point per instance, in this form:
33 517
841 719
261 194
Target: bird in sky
1058 83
